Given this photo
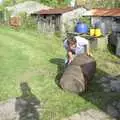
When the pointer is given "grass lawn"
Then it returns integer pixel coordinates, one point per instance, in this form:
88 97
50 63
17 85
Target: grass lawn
35 59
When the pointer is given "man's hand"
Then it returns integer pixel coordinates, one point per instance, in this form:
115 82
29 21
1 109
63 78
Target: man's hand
70 60
70 57
90 54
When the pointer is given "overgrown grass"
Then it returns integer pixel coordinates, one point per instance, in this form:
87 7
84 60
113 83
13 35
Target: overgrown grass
27 56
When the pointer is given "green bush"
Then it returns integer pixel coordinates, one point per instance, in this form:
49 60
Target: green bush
7 15
53 3
1 16
86 20
1 13
28 22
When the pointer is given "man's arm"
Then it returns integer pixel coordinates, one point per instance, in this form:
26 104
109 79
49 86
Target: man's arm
69 52
70 56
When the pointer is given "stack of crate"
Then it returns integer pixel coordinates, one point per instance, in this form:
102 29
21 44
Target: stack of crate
15 21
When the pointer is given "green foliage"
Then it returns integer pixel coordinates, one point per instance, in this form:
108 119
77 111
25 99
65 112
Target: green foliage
117 4
69 27
53 3
12 2
28 22
7 15
1 16
1 13
86 20
7 2
104 4
1 7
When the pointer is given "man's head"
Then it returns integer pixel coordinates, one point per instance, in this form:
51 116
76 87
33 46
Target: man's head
71 42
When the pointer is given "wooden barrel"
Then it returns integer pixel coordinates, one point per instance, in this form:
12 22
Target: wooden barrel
78 74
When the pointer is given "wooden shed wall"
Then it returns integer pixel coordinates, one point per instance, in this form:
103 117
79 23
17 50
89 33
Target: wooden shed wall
49 23
105 23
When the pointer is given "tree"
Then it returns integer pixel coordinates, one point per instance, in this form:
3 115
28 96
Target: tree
53 3
14 2
7 2
99 3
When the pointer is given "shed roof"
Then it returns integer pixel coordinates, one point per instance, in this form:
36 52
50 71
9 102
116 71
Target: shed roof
103 12
55 11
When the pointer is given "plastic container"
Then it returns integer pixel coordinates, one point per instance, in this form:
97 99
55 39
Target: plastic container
98 32
95 32
81 28
92 32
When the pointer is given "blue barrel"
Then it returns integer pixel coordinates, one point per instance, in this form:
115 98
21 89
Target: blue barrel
81 28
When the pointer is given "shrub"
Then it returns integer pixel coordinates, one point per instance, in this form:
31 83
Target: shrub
86 20
28 22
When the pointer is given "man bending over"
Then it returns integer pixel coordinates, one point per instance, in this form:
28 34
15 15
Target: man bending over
76 46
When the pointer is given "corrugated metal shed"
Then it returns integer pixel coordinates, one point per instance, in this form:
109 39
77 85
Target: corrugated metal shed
55 11
103 12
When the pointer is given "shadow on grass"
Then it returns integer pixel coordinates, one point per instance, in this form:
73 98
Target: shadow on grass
27 104
111 48
95 93
97 96
60 69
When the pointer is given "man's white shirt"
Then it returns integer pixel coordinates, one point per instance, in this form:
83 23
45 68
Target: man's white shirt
81 43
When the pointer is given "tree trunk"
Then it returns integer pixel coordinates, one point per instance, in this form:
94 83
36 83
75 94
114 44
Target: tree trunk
78 74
